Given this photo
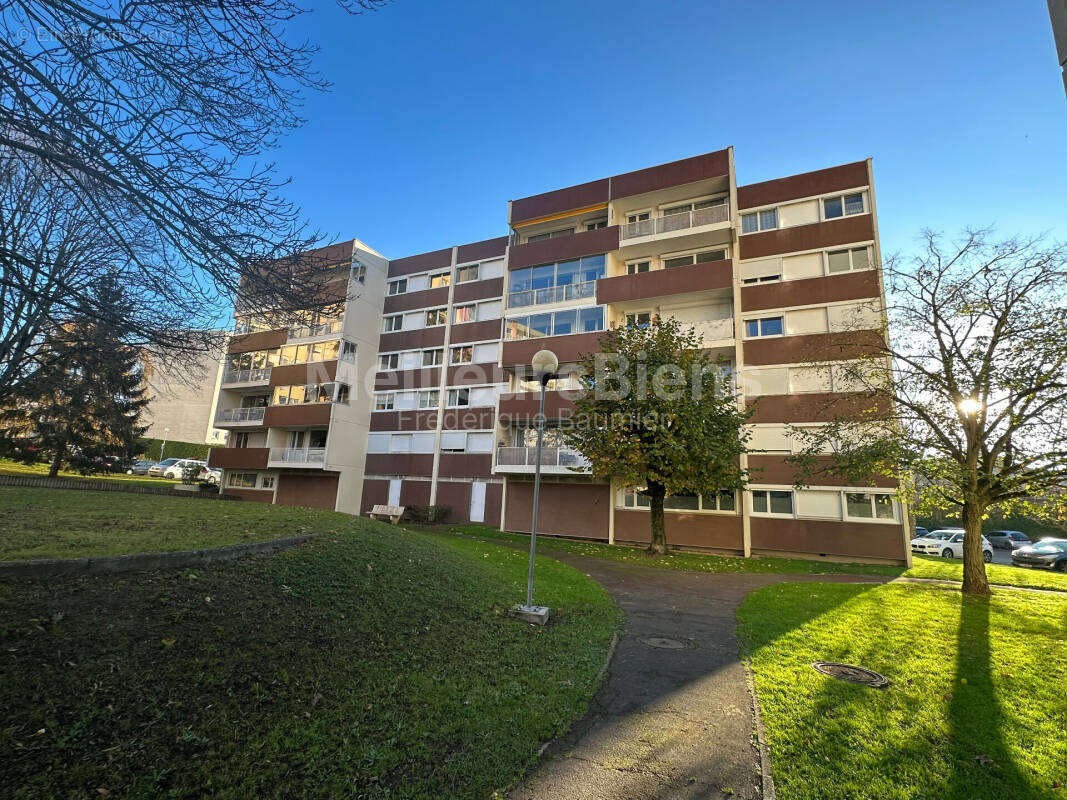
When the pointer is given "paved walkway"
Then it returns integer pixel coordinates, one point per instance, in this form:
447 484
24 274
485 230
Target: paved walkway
674 718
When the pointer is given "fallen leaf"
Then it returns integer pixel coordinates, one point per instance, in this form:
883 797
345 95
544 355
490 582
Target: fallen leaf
168 641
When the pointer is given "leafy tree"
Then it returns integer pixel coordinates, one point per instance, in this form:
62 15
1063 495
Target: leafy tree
82 406
657 412
975 370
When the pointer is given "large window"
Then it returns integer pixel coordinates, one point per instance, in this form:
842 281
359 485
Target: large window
765 220
384 401
768 326
458 397
303 393
846 260
440 279
465 274
398 286
694 258
559 323
845 205
428 399
695 206
556 234
771 501
431 358
724 500
868 505
393 323
436 316
555 283
461 314
241 480
464 354
388 361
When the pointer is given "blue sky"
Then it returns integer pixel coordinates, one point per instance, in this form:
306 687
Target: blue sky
441 112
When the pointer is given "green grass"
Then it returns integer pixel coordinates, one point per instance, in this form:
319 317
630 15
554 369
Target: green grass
68 523
370 663
8 467
976 709
923 567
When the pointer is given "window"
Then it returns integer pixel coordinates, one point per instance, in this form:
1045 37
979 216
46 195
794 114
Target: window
725 500
239 440
428 399
640 216
769 501
596 225
384 401
640 319
343 393
722 500
637 267
574 320
845 205
388 361
465 274
556 234
761 279
440 279
463 314
850 259
768 326
242 480
398 286
436 316
358 273
554 283
682 501
685 208
453 442
867 505
765 220
393 322
348 351
431 358
694 258
459 397
461 355
266 481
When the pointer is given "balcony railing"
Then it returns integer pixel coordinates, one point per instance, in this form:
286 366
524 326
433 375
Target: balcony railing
713 329
552 294
311 331
246 375
298 455
240 414
675 222
524 459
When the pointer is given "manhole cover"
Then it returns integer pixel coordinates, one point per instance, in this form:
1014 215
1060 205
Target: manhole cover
850 672
663 643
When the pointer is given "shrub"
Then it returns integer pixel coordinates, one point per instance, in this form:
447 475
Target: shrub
149 449
427 514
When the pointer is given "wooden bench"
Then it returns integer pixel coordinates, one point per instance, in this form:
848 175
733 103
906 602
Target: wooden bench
394 513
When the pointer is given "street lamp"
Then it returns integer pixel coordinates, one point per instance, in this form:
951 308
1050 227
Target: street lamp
163 445
545 364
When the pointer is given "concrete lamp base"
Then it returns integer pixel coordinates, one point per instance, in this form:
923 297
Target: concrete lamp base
535 615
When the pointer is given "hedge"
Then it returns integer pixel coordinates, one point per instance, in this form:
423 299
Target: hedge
149 449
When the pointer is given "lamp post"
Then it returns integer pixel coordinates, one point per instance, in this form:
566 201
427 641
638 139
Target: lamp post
545 365
163 445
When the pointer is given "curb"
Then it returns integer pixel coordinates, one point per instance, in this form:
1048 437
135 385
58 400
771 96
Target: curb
767 779
50 567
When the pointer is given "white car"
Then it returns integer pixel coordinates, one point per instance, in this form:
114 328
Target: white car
919 543
951 547
174 471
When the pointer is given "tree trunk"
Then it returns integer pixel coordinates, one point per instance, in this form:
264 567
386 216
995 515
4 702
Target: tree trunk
974 577
657 543
57 460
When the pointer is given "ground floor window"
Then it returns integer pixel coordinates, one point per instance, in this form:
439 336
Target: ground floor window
242 480
869 505
772 501
266 482
723 500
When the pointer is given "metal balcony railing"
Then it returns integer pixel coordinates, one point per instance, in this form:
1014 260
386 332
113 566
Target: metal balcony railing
246 375
550 457
298 455
675 222
240 414
311 331
552 294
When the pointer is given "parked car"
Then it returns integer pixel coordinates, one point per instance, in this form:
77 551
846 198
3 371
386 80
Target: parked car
921 532
174 471
212 475
919 543
157 470
952 546
1008 540
139 467
1046 554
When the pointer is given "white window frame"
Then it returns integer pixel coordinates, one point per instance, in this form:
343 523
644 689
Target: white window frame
397 286
626 316
759 225
663 259
851 265
263 482
435 361
636 263
385 401
692 202
637 215
632 491
389 320
382 367
452 398
432 398
752 492
871 494
473 310
760 319
466 270
437 312
460 347
841 196
432 276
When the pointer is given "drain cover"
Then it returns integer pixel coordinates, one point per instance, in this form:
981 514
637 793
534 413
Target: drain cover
663 643
850 672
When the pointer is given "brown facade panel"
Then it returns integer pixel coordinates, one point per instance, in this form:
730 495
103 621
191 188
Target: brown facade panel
523 406
438 259
665 282
415 493
833 233
465 465
474 374
468 419
310 491
295 374
807 184
297 416
814 407
494 498
812 347
548 251
568 349
828 538
426 378
251 495
457 496
263 340
409 301
411 340
567 509
812 291
718 531
403 421
559 200
478 290
776 471
676 173
238 457
478 251
420 464
482 331
375 493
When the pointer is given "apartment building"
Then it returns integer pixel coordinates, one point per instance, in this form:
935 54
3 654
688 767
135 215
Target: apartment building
774 276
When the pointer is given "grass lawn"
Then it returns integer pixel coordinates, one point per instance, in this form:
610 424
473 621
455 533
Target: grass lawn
923 566
8 467
68 523
370 663
976 709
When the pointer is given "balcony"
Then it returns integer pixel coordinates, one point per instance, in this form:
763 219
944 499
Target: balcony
315 331
714 332
554 460
253 376
238 417
703 277
297 457
687 220
552 294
